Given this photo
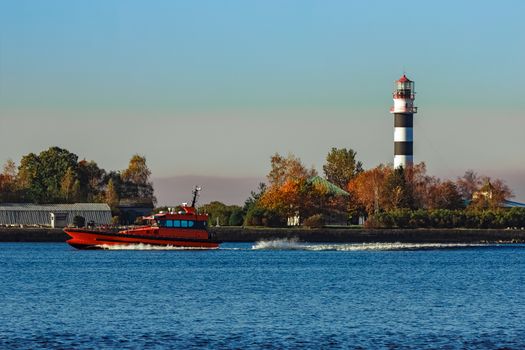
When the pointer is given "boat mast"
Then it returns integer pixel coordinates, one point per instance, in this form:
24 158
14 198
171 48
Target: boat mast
195 196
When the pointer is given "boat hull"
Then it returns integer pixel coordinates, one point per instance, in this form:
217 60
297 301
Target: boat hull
91 239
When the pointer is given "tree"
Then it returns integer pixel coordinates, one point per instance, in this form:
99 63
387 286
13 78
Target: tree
289 192
420 184
136 179
366 190
236 217
8 177
341 166
444 195
287 168
254 198
137 171
398 190
41 176
491 195
29 179
91 179
111 195
69 186
224 214
468 184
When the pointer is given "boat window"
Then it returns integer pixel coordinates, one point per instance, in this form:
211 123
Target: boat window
161 223
184 223
190 223
176 223
169 223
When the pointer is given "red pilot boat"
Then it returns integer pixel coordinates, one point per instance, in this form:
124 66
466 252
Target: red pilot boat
186 228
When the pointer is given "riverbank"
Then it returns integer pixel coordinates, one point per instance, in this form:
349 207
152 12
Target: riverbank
334 235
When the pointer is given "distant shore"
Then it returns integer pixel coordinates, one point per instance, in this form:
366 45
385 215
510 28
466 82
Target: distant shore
333 235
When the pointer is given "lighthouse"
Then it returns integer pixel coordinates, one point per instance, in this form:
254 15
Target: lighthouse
403 111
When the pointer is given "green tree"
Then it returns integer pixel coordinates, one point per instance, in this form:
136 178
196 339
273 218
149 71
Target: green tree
398 191
236 217
91 179
67 186
341 166
218 211
29 180
111 196
135 179
42 175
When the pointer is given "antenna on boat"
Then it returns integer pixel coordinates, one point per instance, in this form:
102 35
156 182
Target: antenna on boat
195 196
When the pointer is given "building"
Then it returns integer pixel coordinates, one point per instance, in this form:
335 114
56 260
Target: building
53 215
132 208
403 111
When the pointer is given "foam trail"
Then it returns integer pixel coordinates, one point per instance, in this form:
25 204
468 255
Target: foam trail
294 244
142 246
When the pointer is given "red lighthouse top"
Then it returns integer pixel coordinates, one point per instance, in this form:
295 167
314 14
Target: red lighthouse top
404 79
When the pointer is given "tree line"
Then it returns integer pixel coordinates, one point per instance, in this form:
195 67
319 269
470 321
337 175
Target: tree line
387 197
56 175
346 191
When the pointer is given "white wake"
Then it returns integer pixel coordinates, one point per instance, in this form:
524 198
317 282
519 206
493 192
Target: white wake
294 244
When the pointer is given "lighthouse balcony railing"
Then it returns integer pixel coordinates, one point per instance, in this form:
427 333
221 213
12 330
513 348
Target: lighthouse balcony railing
403 110
404 94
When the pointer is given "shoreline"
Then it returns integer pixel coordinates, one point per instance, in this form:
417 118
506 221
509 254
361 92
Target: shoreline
321 235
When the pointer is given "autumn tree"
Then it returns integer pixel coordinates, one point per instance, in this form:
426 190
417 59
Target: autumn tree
287 168
111 195
491 194
8 186
341 166
419 184
444 195
70 187
135 178
469 183
366 190
288 192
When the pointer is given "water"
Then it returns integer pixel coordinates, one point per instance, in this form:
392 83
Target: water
267 295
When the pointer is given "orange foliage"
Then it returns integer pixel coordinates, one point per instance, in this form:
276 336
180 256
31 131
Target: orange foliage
366 188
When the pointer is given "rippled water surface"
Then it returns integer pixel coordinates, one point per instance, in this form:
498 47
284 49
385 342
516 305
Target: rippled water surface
273 295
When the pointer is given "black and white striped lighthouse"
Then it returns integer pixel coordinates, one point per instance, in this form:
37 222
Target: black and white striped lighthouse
403 111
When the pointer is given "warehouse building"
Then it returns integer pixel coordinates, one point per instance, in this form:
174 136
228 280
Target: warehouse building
53 215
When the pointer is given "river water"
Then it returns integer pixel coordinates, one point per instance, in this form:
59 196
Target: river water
272 295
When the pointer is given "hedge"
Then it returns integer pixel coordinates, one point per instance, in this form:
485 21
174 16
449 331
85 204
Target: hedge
444 218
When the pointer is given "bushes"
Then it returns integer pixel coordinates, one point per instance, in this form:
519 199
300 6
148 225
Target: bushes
258 216
444 218
314 221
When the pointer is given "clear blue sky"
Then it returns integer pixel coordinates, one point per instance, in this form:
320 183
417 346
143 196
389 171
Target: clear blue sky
213 88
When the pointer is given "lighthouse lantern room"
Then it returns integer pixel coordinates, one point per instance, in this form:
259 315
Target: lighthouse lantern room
403 111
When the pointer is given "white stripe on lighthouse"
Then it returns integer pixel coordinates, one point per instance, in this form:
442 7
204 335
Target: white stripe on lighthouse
403 134
403 160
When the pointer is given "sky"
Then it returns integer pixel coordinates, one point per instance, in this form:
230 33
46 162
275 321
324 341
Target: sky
209 90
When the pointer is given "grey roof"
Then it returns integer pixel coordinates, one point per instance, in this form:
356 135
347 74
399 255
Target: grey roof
39 214
52 207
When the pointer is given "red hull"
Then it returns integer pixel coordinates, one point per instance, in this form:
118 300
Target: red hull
92 239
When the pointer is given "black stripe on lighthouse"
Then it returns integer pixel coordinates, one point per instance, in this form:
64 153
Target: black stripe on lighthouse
403 139
403 120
